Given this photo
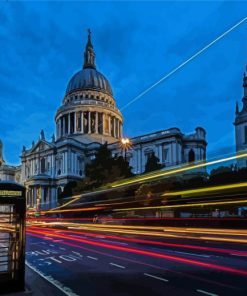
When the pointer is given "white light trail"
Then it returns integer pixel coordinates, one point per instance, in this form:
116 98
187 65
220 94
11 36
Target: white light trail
183 64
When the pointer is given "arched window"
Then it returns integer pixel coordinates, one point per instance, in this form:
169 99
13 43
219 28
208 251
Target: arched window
191 155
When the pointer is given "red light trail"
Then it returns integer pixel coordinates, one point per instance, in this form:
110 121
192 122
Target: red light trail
144 252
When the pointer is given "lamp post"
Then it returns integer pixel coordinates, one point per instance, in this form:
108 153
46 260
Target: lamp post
125 144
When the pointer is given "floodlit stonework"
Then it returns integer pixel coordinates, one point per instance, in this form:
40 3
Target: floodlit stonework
87 118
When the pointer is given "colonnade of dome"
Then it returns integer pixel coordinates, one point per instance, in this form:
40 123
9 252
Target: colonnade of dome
89 122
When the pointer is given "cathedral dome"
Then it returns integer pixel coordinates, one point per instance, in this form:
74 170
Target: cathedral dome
89 112
89 79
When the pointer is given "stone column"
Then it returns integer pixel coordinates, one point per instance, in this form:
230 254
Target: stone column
89 122
68 123
109 118
60 128
174 153
103 123
114 127
139 157
96 123
82 122
120 130
117 128
75 130
57 129
31 197
156 152
48 197
63 125
160 154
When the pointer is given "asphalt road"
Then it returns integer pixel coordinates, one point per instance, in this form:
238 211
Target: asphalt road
91 263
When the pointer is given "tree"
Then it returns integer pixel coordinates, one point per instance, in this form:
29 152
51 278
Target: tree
68 189
152 163
144 193
103 169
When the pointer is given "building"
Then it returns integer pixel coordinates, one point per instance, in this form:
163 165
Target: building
171 146
87 118
8 172
241 125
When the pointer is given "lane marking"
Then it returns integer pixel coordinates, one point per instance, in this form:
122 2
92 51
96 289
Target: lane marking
90 257
193 254
66 290
115 242
62 249
114 264
156 277
206 293
51 245
238 255
183 253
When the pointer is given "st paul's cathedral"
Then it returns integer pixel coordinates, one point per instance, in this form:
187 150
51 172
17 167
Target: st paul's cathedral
88 117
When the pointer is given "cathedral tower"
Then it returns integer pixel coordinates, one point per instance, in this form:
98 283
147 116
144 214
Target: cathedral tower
241 124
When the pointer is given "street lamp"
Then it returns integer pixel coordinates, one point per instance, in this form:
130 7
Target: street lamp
125 144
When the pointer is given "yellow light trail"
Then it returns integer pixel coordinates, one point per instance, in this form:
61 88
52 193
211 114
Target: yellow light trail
184 205
73 210
232 232
155 234
152 176
206 190
74 198
179 170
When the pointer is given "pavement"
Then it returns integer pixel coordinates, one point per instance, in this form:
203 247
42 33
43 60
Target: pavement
36 285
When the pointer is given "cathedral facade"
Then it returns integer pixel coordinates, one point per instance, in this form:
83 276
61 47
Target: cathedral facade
87 118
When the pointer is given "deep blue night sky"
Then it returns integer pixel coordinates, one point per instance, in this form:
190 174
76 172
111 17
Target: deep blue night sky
136 43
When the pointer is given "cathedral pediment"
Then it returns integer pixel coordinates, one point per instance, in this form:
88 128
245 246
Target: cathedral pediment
40 146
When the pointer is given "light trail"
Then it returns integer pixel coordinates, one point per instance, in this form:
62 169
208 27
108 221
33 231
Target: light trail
150 254
232 232
234 202
137 262
149 177
152 242
176 171
166 228
74 210
184 63
206 189
162 234
137 219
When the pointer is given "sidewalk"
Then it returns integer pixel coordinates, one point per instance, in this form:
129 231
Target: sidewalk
37 286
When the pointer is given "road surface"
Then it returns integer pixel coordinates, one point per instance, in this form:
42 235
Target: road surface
96 263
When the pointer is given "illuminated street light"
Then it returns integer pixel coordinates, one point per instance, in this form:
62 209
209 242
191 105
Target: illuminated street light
125 145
